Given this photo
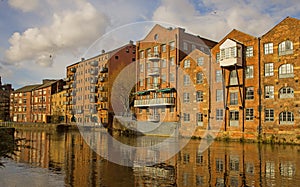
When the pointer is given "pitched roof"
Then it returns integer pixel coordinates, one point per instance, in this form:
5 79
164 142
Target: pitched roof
28 88
47 84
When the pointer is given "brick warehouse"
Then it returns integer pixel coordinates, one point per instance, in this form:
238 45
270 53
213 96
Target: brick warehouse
236 97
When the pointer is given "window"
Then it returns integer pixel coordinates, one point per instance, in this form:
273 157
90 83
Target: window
269 92
185 46
286 92
249 114
268 48
218 57
199 180
141 82
199 157
287 169
186 97
285 48
163 78
199 119
219 76
233 78
228 53
269 71
234 163
141 68
186 117
234 118
163 47
186 80
155 49
286 71
219 96
172 61
148 52
193 47
186 63
199 96
172 109
199 79
219 114
286 117
270 169
233 98
172 45
249 72
250 93
249 51
172 77
269 115
163 63
219 165
200 61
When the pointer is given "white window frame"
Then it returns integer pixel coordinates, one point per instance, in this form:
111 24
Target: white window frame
249 114
268 48
269 115
269 92
249 72
286 118
269 69
249 51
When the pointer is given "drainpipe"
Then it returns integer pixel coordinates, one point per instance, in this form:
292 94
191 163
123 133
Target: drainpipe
259 91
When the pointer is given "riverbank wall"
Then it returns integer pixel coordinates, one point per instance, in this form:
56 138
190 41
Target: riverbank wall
38 126
128 126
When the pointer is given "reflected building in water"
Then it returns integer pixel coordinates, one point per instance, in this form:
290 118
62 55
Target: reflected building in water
221 164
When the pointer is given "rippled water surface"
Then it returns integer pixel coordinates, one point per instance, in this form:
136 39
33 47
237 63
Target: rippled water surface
65 159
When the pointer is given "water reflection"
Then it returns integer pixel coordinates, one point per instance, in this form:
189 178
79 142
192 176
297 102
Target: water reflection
222 164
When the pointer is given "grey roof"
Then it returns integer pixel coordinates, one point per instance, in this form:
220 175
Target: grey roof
28 88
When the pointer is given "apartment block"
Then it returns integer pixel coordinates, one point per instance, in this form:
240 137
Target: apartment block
32 103
5 90
280 72
158 62
89 85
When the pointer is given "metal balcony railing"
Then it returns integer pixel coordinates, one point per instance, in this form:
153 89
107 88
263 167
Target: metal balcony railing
165 101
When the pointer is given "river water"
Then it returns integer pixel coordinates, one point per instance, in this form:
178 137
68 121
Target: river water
50 158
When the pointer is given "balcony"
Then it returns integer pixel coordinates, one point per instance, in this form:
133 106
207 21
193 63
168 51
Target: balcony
73 102
73 93
93 90
154 86
231 53
103 70
93 100
154 57
94 63
66 87
73 85
102 88
93 80
67 79
103 99
101 79
93 111
73 70
66 94
66 103
166 101
93 72
154 118
155 71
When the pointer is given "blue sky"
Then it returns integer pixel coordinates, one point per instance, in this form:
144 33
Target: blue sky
39 38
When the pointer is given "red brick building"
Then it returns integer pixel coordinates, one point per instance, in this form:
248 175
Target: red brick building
158 64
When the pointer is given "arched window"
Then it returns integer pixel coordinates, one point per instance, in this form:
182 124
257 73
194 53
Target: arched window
286 117
285 48
286 71
286 92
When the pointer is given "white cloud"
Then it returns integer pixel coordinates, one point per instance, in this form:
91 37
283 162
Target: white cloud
214 18
69 31
25 6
